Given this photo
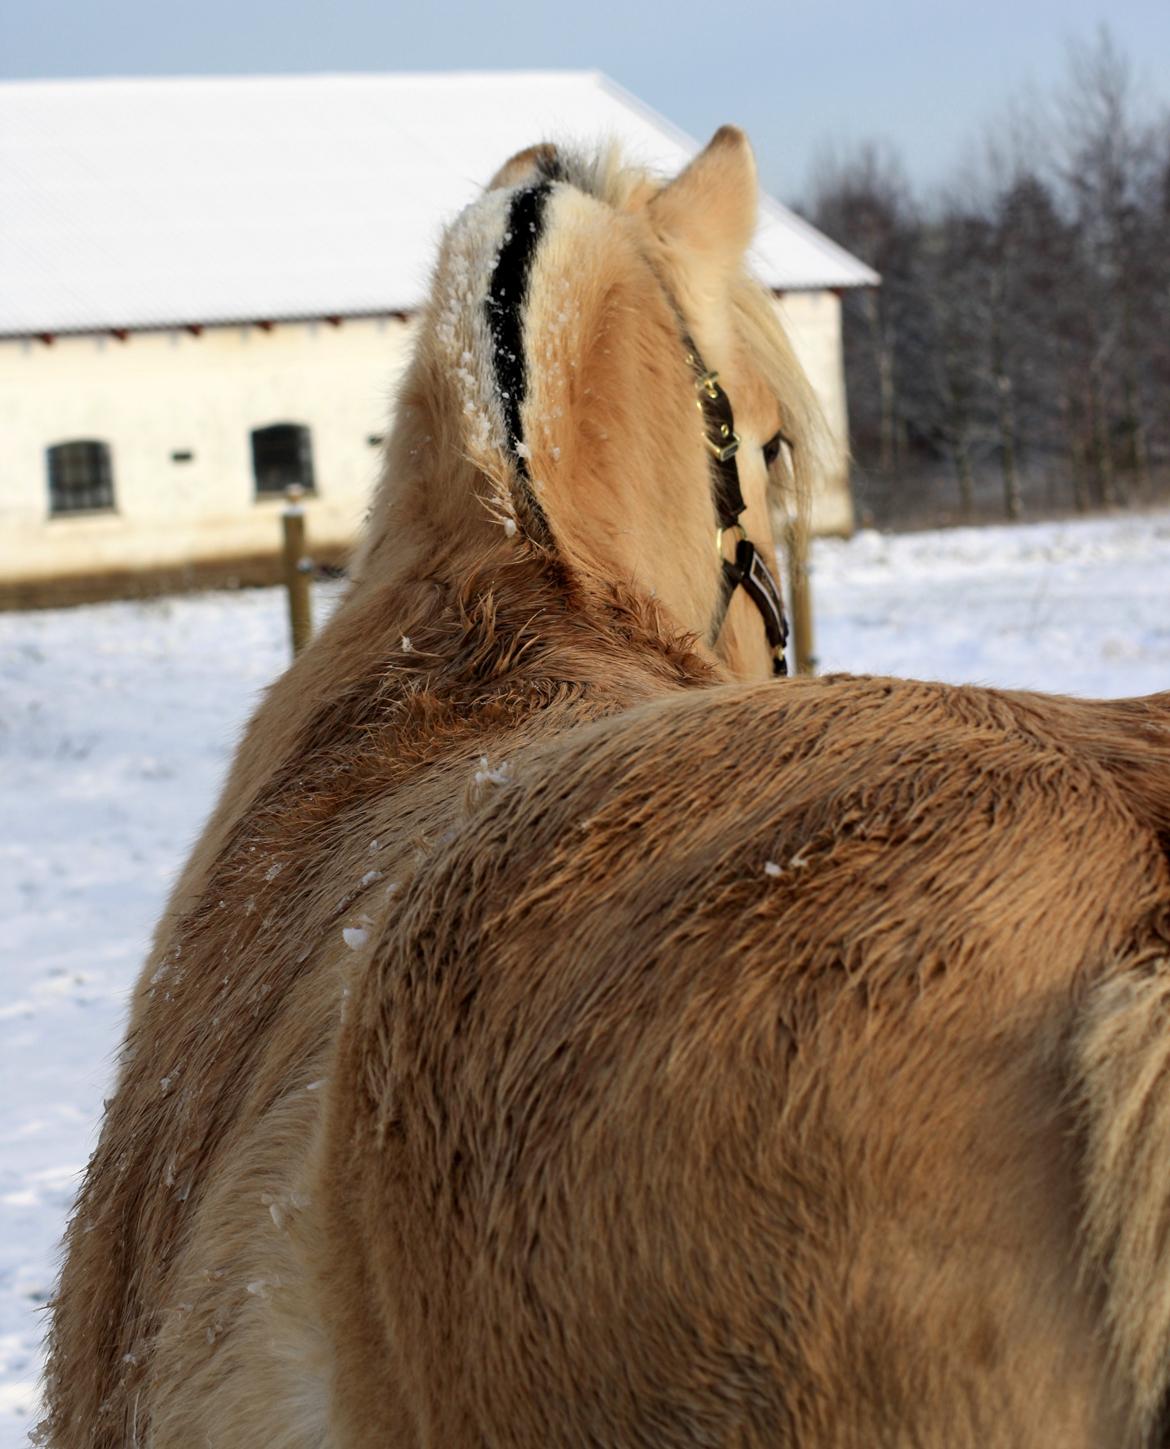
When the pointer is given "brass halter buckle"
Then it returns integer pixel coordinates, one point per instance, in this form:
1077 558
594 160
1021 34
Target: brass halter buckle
726 445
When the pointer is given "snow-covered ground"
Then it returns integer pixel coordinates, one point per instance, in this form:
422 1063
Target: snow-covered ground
1074 608
117 722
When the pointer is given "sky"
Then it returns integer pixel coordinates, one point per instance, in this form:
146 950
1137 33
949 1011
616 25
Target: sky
927 77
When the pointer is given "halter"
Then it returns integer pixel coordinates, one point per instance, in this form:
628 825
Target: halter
748 570
506 293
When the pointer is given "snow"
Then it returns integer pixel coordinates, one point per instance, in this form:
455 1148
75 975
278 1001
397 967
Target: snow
487 774
117 722
1081 607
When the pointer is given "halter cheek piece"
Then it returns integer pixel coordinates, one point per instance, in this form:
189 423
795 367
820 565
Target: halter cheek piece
748 569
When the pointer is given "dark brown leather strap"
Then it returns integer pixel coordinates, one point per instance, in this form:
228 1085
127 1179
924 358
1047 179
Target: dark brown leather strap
748 570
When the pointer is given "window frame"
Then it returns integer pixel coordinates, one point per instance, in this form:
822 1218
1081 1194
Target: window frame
300 436
93 478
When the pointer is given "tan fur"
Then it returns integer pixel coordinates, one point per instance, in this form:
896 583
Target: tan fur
723 1062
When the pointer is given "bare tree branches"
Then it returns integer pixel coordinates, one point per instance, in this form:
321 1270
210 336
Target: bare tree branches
1019 347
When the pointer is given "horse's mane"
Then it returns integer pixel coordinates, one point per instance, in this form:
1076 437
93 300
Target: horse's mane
454 365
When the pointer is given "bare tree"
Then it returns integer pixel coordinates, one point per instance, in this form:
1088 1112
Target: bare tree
864 200
1109 167
1021 334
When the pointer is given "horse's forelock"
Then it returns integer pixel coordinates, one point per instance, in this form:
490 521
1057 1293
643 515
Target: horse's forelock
802 420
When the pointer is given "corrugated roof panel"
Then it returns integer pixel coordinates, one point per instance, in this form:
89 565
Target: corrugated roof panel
147 203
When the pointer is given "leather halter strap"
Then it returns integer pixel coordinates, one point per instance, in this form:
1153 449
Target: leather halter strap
748 569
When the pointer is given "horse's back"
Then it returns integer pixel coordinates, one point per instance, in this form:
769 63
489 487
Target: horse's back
715 1084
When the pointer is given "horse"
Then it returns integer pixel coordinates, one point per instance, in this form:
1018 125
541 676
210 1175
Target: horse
566 1032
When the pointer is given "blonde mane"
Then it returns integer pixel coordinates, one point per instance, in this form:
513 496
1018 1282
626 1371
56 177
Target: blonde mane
601 255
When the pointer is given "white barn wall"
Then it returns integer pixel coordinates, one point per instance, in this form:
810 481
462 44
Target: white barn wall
813 323
161 392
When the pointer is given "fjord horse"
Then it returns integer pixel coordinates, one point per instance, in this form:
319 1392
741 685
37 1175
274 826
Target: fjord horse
564 1033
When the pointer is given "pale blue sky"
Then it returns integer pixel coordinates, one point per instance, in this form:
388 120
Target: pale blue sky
925 75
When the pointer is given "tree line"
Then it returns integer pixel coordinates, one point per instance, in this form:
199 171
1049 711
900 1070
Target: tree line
1016 357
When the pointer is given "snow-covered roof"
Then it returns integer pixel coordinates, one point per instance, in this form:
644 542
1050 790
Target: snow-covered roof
150 203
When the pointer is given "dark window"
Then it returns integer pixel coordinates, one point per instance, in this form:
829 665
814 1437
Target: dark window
282 454
80 477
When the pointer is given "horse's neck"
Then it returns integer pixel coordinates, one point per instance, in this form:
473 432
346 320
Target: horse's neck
414 675
482 631
415 670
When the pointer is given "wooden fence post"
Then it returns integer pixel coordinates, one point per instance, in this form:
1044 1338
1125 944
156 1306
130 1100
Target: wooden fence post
796 558
298 568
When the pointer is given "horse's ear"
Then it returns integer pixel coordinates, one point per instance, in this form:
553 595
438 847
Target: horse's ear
535 163
711 207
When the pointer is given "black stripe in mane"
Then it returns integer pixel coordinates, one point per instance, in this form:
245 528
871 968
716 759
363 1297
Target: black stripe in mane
551 166
505 307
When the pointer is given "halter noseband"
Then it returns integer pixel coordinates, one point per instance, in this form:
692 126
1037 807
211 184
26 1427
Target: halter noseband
748 570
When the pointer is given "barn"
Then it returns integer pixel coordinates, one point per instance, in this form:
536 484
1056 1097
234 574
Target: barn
208 291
